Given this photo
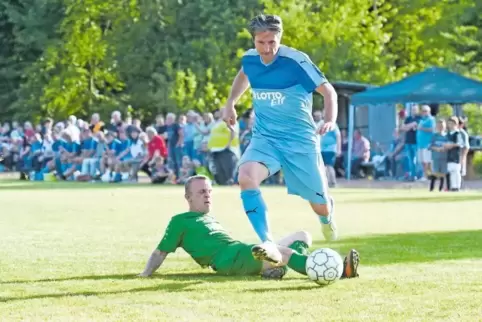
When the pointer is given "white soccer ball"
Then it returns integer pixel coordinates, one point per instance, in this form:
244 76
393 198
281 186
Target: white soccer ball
324 266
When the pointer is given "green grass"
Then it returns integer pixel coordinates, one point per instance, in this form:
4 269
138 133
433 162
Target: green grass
64 260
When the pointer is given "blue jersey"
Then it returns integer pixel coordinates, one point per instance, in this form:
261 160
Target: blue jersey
283 97
328 140
424 139
115 146
89 144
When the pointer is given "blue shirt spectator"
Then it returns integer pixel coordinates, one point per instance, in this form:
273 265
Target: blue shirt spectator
425 129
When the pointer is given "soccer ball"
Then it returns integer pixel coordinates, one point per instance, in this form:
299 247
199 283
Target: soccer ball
324 266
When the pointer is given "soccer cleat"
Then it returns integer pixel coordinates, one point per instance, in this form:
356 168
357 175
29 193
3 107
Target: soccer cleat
350 265
267 251
274 273
329 230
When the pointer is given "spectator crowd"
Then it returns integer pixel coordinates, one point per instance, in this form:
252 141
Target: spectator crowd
178 146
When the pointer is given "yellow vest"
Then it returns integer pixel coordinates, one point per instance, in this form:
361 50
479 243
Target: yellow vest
220 135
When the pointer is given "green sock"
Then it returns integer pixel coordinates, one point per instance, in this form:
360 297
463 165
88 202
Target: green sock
297 262
300 247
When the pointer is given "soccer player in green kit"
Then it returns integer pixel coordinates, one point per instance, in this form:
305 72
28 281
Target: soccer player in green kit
208 243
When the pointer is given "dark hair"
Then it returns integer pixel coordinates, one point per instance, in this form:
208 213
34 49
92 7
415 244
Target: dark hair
263 22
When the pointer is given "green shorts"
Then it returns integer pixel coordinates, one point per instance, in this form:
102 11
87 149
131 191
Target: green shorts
237 260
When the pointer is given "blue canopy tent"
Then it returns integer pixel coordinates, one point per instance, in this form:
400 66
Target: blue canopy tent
434 85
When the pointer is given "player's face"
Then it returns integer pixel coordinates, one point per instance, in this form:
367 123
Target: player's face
200 196
267 44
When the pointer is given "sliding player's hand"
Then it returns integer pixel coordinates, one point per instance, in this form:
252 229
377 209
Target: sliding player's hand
326 127
229 114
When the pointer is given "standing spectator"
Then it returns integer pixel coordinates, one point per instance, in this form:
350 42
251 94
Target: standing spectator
224 147
28 130
155 148
189 131
410 129
465 148
453 148
96 125
116 123
73 129
330 149
47 126
425 131
203 129
161 127
361 152
175 142
395 155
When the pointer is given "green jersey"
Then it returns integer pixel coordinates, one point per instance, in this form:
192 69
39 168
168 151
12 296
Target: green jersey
202 237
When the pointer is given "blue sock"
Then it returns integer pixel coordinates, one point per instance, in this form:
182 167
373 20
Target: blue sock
327 219
255 208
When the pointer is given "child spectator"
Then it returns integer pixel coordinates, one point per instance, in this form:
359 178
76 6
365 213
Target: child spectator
453 148
186 170
439 155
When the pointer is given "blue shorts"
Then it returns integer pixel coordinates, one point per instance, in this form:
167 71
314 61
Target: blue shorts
329 158
304 173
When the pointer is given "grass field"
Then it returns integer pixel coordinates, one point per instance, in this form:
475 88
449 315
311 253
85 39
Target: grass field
71 252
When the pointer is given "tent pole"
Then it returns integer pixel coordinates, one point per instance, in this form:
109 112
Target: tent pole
351 127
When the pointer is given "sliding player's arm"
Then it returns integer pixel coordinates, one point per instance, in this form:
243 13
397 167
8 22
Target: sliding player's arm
154 262
170 242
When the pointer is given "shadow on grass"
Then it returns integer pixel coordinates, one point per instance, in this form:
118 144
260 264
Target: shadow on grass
460 197
412 247
286 289
169 288
181 277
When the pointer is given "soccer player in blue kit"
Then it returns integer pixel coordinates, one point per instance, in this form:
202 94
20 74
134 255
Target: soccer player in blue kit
285 136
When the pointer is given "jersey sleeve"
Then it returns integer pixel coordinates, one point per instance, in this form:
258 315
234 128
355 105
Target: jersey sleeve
172 237
309 75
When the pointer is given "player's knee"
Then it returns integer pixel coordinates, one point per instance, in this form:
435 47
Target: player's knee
251 175
304 236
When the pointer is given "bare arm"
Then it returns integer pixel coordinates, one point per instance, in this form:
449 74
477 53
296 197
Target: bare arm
154 262
232 133
330 101
240 85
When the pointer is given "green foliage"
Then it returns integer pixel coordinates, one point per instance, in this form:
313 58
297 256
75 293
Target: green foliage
477 163
61 57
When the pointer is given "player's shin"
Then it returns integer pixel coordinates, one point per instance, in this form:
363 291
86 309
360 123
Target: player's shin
297 262
256 211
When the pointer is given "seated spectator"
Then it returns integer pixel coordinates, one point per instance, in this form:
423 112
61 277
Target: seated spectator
90 166
48 152
88 146
360 152
186 171
24 162
69 150
155 148
395 155
160 173
129 165
109 159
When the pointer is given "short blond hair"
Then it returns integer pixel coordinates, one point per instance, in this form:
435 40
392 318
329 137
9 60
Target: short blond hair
190 180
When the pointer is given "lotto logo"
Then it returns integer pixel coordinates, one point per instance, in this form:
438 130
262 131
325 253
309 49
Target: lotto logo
275 98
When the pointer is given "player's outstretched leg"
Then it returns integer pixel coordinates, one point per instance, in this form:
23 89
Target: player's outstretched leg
299 242
350 264
251 174
328 225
